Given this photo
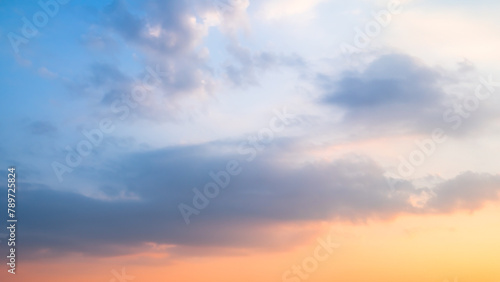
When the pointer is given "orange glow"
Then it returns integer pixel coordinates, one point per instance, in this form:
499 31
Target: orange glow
409 248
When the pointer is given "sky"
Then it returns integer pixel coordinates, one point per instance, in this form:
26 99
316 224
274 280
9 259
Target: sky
277 140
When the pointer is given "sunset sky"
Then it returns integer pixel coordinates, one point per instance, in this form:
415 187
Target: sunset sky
251 141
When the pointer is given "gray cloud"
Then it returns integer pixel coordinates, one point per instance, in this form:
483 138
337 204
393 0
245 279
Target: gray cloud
166 29
167 39
468 191
246 68
394 90
142 192
398 94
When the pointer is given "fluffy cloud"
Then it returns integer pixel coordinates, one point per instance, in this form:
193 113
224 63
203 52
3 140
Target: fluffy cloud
397 93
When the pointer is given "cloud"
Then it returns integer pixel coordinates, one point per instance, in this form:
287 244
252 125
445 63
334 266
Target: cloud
394 89
389 80
231 15
44 72
468 191
139 195
248 65
169 27
279 9
168 35
397 93
98 40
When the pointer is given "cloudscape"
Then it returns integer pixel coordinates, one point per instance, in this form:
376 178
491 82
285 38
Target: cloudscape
250 140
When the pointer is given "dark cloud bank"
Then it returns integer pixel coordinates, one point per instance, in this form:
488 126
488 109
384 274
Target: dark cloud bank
266 193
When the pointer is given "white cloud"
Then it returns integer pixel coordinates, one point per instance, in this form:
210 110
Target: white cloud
44 72
278 9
